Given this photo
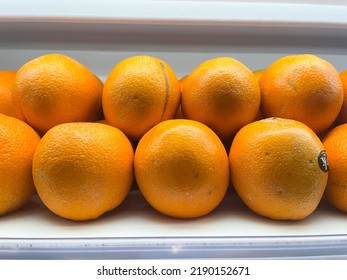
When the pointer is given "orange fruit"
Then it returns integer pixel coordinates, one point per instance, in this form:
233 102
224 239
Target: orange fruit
179 114
258 73
7 107
258 116
140 92
54 89
182 80
342 117
102 121
221 93
336 147
182 168
278 168
304 88
18 142
82 169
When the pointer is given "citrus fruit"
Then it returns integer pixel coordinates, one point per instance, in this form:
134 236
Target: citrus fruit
102 121
304 88
182 168
278 168
18 142
54 89
342 117
223 94
82 169
258 73
179 114
7 107
182 81
140 92
336 147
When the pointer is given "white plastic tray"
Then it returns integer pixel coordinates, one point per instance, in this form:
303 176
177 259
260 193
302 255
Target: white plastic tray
100 36
135 230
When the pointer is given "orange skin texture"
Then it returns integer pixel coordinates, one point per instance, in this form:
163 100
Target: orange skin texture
182 81
274 168
336 148
179 114
342 117
82 170
140 92
304 88
182 168
18 142
258 73
223 94
54 89
7 107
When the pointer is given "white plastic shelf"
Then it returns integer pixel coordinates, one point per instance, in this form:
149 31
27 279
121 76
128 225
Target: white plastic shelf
135 230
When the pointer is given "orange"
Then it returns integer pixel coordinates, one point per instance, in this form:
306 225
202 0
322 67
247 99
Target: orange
7 107
82 170
336 147
279 168
221 93
179 114
18 142
182 80
259 116
304 88
102 121
258 73
140 92
54 89
182 168
342 117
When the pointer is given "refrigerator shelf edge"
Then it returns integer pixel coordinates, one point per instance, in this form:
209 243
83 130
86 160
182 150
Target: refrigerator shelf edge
266 13
281 247
160 25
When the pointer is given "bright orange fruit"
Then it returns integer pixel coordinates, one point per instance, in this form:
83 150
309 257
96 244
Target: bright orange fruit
305 88
336 147
258 73
18 143
140 92
82 170
7 107
54 89
182 168
342 117
221 93
279 168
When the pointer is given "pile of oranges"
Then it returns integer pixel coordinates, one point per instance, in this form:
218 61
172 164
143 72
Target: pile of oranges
276 136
